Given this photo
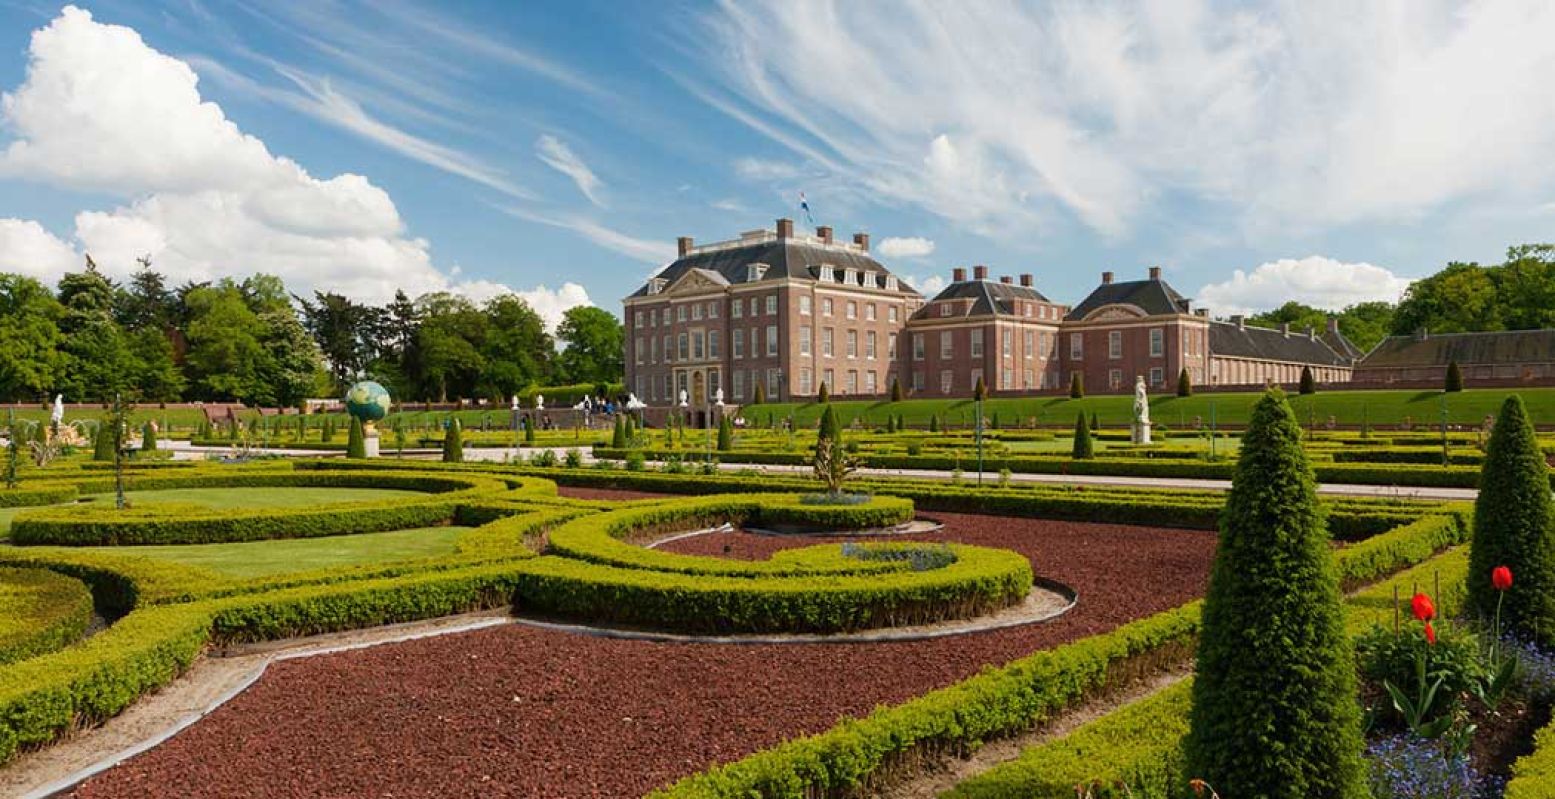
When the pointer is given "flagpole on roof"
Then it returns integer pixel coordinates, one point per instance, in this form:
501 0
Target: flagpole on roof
804 205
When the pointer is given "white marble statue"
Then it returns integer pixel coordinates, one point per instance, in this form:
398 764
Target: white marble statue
718 397
634 404
515 402
59 410
683 402
1141 426
539 402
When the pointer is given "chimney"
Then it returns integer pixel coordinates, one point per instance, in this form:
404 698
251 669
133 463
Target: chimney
785 228
979 272
684 243
862 240
824 233
1025 280
1006 279
1333 324
1285 329
1312 332
958 275
1155 273
1240 321
1106 278
1201 312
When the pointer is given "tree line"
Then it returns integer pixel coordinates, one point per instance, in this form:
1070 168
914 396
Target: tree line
252 341
1464 297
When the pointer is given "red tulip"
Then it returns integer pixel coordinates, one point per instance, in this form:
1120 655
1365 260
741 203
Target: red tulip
1501 578
1423 607
1430 634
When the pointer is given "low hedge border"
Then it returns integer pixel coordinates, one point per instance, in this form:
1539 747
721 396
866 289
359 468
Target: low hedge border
40 611
37 494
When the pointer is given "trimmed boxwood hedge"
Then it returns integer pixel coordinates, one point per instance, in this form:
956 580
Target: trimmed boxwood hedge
40 611
37 494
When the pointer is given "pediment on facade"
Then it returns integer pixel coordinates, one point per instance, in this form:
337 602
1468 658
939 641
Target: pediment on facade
695 280
1116 311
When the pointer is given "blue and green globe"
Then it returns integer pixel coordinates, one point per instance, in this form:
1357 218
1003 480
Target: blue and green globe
367 401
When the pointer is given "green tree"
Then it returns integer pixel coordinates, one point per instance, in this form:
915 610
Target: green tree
1184 383
595 346
102 443
225 356
1275 712
725 434
344 331
30 358
448 346
1461 298
453 442
1454 381
1513 527
1076 385
517 349
1083 449
293 368
1308 384
356 440
157 374
148 437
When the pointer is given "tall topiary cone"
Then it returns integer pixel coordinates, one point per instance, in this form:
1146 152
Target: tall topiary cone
148 437
896 390
1184 383
356 440
1512 527
1454 381
529 431
824 395
453 443
980 391
102 443
1275 712
759 397
1308 383
1076 386
630 431
725 434
618 436
1083 448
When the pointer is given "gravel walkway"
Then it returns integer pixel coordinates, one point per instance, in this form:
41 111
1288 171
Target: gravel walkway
517 711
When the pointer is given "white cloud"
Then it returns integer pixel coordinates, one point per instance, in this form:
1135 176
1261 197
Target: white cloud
908 247
558 156
731 205
927 286
27 248
650 250
1315 280
101 111
763 169
1290 114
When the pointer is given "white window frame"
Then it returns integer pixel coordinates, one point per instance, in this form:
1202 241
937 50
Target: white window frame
1076 346
804 343
977 342
1157 342
947 345
772 341
1114 344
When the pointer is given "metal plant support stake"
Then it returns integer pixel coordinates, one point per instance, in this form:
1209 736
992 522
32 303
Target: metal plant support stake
119 419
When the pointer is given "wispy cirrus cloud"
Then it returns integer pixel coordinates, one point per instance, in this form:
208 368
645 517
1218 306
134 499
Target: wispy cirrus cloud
647 250
557 155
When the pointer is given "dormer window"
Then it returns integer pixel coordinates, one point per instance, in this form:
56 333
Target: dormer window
826 274
754 272
656 285
946 309
866 279
847 275
890 282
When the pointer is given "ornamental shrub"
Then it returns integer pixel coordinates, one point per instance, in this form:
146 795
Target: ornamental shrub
356 440
1274 696
102 443
760 396
896 389
1076 386
824 395
1512 527
1454 381
980 391
529 431
148 437
453 443
618 435
1308 383
1083 448
1184 383
725 434
630 431
1095 421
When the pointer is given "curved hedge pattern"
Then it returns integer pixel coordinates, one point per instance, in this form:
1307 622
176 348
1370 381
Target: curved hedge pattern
40 611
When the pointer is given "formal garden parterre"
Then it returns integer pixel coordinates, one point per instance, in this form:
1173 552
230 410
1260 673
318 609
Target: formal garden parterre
102 625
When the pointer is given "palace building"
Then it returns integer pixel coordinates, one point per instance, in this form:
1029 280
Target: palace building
788 312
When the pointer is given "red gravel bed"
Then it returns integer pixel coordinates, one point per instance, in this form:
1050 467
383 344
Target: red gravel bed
516 711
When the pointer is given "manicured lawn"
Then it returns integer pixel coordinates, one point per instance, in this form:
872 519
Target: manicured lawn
1388 408
261 558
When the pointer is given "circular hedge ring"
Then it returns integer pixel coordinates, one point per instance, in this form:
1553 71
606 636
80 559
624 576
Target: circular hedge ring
40 611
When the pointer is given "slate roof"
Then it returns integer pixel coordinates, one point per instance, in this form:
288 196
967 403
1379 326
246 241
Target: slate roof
1338 343
1439 349
989 298
1155 297
794 257
1265 344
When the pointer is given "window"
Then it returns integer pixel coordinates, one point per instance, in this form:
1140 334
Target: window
829 379
713 350
666 316
1114 344
736 309
680 385
977 343
826 306
944 309
869 312
1026 379
1025 309
826 341
680 313
828 275
1115 378
1007 378
917 347
771 305
653 349
890 346
917 381
869 382
852 309
754 300
1028 344
738 379
738 343
1008 343
804 343
890 314
1076 346
680 347
806 382
849 275
852 343
869 345
946 347
974 376
852 384
637 319
774 389
1157 342
667 356
947 381
637 350
804 307
1156 375
696 345
890 282
713 383
669 387
771 341
712 310
696 311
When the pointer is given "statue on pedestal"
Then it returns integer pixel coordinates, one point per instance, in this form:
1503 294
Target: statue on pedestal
1141 426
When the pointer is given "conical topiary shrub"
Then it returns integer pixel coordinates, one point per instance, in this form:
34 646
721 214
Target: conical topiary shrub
1084 449
356 440
148 437
1076 386
824 395
896 390
1512 527
1454 381
453 443
529 432
618 435
1184 383
630 433
102 443
980 391
1308 383
725 434
759 397
1275 712
1095 421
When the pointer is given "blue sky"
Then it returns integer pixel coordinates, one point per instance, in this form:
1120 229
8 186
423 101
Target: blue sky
1328 151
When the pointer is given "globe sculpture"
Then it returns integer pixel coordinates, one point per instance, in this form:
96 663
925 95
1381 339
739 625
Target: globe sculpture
367 401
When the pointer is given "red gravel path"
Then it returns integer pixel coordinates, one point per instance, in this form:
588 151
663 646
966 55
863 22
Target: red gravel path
516 711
